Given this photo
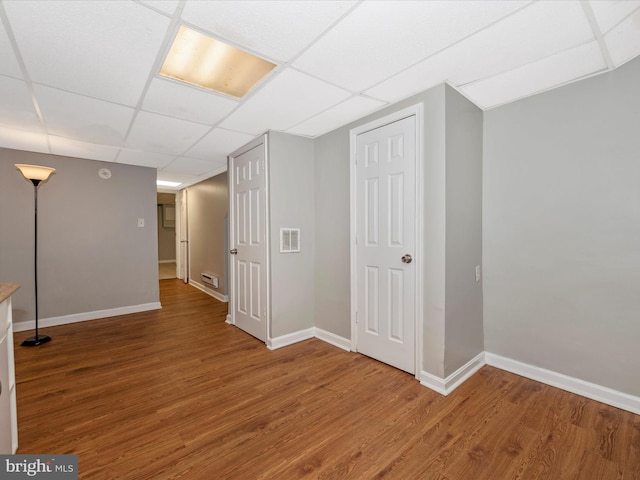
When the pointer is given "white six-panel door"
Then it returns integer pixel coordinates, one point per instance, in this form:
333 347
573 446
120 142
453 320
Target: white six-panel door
248 241
385 243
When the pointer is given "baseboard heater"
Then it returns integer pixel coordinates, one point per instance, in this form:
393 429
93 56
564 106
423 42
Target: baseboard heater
210 280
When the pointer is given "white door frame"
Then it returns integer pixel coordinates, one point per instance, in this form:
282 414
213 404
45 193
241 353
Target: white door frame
417 111
262 139
182 242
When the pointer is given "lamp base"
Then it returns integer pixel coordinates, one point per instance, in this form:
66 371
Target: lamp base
35 341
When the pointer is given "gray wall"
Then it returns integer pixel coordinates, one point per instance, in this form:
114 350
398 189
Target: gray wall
562 230
92 255
451 180
463 326
208 209
291 201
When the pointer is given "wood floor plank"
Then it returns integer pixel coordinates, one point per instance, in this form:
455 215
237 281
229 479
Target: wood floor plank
177 393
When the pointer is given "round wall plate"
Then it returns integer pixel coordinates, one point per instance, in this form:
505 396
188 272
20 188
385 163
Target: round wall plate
104 173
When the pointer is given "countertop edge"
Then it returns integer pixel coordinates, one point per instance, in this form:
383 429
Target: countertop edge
7 289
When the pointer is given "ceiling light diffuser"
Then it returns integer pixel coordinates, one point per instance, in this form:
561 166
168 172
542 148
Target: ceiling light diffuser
164 183
209 63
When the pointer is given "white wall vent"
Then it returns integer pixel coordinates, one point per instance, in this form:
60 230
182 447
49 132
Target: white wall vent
289 240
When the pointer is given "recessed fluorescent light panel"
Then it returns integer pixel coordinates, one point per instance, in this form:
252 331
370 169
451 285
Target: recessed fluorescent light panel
209 63
164 183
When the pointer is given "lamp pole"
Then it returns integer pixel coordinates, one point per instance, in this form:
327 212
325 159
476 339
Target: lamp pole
35 174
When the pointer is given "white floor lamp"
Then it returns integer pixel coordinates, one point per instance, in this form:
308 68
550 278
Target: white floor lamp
36 175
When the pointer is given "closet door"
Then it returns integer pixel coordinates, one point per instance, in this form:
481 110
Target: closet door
248 243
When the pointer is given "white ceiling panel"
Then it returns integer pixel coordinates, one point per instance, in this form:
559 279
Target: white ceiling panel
161 134
541 30
381 38
276 29
16 106
23 140
75 116
623 41
167 6
287 100
218 144
144 159
91 67
536 77
74 148
609 13
190 166
102 49
345 112
8 63
186 102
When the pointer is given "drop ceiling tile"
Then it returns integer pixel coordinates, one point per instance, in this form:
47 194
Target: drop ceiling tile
541 29
536 77
23 140
609 13
144 159
158 133
623 41
74 148
190 166
8 63
218 144
16 106
381 38
186 102
343 113
276 29
167 6
286 100
83 118
102 49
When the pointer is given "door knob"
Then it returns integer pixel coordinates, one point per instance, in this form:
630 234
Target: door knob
234 251
406 258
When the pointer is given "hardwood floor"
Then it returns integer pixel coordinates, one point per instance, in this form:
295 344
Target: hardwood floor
177 393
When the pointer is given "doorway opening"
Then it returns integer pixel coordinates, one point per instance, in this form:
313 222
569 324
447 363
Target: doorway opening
166 206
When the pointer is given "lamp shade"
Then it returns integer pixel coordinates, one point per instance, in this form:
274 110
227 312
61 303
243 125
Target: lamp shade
35 172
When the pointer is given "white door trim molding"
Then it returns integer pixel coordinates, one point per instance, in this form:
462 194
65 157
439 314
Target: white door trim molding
416 111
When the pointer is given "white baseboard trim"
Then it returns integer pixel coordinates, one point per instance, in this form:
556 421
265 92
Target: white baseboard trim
290 338
571 384
313 332
333 339
228 319
210 292
447 385
83 317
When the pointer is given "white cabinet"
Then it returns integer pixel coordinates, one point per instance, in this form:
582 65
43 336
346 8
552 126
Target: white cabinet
8 412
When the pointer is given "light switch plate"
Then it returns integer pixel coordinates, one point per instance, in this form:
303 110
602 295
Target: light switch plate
141 222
